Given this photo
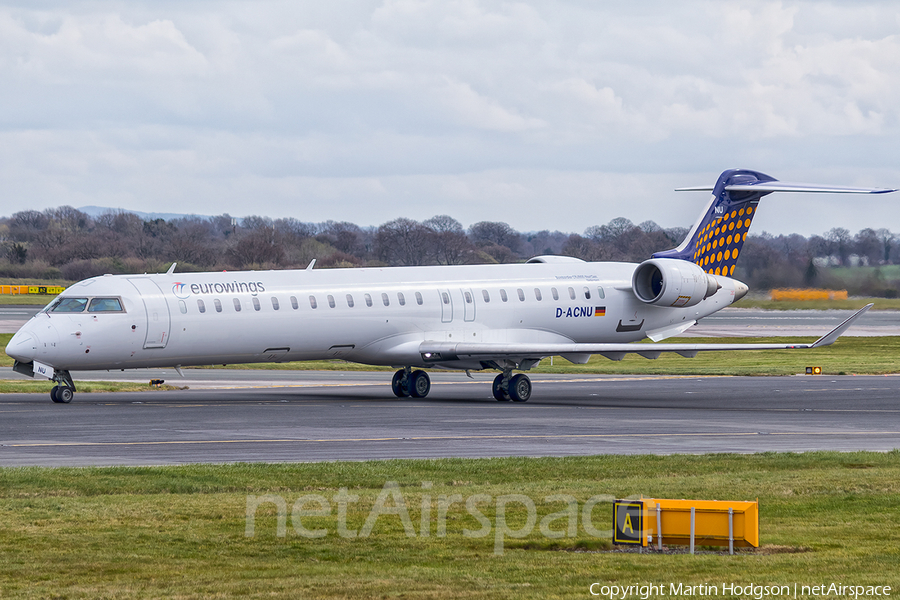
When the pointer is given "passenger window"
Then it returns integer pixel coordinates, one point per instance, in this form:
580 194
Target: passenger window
107 305
70 305
312 302
237 305
600 293
385 299
445 297
368 300
255 301
485 295
419 299
294 302
218 305
201 306
330 300
181 306
555 293
275 305
572 293
401 299
503 295
521 295
468 296
537 294
587 293
350 300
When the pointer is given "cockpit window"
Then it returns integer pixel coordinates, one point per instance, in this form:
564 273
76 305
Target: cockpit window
105 305
69 305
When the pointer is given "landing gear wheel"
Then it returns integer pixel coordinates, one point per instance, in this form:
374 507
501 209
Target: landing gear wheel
520 388
419 384
497 390
53 393
64 394
397 384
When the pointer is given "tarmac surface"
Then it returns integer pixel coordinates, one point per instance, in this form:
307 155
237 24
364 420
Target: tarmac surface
268 416
322 416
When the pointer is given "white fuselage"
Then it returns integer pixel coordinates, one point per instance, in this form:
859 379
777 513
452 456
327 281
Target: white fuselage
257 316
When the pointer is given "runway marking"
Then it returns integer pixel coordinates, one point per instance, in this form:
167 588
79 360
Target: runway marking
441 438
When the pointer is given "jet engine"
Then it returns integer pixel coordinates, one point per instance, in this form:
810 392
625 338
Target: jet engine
672 282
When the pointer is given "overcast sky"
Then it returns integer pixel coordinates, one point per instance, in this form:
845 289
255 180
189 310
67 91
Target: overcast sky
546 115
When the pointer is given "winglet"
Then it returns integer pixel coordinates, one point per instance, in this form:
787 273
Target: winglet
171 269
830 337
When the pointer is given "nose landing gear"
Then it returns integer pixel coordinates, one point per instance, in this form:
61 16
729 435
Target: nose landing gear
62 394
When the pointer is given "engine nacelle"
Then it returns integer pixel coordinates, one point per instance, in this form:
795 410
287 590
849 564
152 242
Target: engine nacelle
672 282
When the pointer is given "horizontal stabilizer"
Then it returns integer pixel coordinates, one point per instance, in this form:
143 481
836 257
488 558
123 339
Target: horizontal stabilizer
784 186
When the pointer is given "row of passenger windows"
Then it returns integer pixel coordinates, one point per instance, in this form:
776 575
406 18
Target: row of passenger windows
386 299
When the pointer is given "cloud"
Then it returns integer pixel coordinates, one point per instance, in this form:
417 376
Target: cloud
504 107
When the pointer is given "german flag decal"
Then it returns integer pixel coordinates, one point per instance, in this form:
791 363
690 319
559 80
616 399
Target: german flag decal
600 311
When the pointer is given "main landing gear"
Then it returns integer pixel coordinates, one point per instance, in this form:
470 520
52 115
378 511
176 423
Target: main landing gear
508 387
64 391
407 382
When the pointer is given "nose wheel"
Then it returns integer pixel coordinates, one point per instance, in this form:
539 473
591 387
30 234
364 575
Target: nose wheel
62 394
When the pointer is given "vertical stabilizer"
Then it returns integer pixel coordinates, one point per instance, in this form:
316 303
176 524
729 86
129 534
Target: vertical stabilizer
715 241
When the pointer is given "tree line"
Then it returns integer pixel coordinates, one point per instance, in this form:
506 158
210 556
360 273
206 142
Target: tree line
65 243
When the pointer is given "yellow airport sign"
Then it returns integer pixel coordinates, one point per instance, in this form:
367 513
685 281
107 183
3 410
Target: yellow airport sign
715 522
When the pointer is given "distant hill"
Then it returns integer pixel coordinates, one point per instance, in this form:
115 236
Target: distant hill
96 211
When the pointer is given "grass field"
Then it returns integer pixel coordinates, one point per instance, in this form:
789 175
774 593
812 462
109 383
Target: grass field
181 532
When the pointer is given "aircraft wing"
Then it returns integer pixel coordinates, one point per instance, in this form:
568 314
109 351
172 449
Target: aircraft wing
449 351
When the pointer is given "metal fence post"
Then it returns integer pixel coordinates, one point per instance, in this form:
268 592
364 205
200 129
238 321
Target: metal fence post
692 529
730 530
658 527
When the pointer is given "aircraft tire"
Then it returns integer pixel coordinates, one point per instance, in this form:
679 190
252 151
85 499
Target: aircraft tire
419 384
53 394
520 388
64 394
497 391
397 385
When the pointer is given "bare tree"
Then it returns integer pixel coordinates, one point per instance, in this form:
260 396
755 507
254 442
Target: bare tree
403 242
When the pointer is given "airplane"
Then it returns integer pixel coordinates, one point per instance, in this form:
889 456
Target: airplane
465 317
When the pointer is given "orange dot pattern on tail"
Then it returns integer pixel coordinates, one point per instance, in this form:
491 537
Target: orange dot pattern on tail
719 243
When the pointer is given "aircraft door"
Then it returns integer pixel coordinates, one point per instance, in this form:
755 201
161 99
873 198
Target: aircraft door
446 306
157 311
468 304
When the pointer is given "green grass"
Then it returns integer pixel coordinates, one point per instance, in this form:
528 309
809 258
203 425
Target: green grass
43 386
855 303
26 299
179 532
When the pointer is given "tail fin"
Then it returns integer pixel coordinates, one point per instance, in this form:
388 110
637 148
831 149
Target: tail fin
716 240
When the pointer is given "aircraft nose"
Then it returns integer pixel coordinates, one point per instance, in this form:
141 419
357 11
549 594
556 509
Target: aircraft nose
22 346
